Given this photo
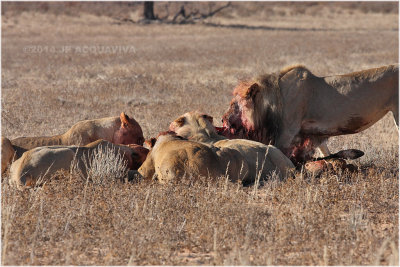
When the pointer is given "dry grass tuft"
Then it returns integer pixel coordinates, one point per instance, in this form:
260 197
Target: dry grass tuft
105 164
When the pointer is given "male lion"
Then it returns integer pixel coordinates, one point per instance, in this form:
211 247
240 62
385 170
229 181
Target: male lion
297 111
45 161
261 159
118 130
173 157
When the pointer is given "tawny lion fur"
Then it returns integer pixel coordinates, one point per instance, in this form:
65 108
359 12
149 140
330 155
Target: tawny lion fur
118 130
7 153
47 160
285 108
261 159
172 158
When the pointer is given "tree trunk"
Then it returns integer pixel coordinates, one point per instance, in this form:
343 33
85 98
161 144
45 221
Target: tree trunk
149 10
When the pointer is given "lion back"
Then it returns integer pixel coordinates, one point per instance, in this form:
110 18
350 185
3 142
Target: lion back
41 162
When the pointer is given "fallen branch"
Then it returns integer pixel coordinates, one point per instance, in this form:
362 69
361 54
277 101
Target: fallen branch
196 15
186 18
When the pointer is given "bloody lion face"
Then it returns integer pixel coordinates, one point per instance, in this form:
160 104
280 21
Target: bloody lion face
248 117
130 132
138 156
232 120
238 121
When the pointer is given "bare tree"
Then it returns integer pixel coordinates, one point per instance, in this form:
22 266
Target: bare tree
148 11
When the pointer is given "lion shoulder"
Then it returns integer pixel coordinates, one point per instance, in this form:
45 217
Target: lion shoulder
294 67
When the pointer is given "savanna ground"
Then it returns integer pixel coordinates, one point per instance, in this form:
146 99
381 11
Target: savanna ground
331 220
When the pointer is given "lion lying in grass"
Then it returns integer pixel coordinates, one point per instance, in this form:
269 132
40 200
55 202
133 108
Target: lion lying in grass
44 162
260 159
173 157
298 111
118 130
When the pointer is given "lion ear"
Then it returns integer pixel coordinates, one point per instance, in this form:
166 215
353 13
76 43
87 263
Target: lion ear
208 117
252 90
150 142
180 121
124 120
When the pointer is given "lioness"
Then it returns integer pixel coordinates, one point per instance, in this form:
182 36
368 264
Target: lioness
173 157
7 153
261 159
45 161
297 111
118 130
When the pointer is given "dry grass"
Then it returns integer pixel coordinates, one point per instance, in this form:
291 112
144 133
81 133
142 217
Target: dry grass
104 164
333 220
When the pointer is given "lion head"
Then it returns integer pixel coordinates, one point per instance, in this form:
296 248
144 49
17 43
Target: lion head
129 132
195 125
255 110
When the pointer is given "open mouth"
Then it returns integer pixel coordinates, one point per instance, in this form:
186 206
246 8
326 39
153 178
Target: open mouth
221 130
